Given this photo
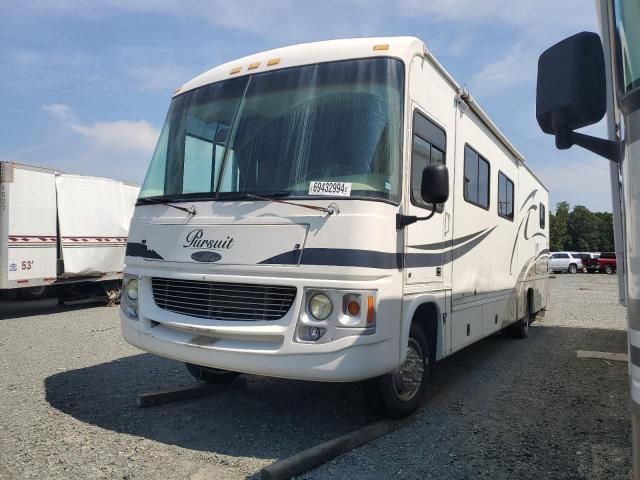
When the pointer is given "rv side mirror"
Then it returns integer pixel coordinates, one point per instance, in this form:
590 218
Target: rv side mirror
435 183
571 92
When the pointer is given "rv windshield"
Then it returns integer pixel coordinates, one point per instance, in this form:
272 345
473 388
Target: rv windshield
280 131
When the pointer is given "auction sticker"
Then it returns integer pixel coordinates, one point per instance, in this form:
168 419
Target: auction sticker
334 189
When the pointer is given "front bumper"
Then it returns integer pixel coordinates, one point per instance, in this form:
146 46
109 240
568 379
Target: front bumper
268 348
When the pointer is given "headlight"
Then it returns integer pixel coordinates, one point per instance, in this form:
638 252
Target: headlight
320 306
132 289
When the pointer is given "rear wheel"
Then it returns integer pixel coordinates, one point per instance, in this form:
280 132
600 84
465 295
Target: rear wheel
211 375
399 393
608 269
573 268
520 329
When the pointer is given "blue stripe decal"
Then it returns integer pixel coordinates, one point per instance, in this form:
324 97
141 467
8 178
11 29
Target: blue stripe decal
141 250
449 243
339 257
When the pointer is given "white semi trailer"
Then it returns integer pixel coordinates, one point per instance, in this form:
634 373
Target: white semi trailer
59 230
335 211
580 79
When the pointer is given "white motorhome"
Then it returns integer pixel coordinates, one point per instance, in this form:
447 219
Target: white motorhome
61 230
282 227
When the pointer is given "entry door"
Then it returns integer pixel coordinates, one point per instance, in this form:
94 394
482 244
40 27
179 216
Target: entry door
428 241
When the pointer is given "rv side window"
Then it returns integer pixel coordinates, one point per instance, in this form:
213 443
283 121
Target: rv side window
505 197
543 216
476 178
429 146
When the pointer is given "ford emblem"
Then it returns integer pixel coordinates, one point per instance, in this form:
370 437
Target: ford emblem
207 257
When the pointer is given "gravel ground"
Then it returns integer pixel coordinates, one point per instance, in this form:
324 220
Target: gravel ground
501 408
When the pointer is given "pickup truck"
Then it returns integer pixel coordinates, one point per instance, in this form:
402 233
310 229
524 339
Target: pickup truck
607 262
589 261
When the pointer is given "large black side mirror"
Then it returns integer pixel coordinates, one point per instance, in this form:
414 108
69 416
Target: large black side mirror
435 184
433 190
571 93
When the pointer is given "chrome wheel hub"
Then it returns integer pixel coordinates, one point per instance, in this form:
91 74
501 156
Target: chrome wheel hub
407 378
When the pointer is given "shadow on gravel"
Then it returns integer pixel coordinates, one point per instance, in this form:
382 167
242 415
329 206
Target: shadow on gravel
518 404
11 309
269 418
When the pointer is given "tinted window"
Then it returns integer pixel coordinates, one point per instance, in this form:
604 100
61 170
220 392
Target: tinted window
563 255
627 14
505 196
476 178
543 216
428 148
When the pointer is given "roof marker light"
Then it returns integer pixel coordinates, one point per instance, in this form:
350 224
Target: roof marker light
235 70
384 46
273 61
253 66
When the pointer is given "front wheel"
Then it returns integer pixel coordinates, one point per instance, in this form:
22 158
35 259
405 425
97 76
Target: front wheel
573 268
211 375
608 269
399 393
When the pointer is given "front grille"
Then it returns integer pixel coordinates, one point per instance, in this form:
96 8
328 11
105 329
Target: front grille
223 301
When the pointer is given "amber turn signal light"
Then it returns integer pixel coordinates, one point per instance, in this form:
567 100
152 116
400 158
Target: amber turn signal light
370 309
353 308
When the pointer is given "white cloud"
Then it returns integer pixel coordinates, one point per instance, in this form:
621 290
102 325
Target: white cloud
120 135
161 77
518 66
60 111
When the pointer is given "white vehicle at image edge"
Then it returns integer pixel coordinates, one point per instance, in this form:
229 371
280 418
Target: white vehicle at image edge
62 231
580 80
565 262
336 211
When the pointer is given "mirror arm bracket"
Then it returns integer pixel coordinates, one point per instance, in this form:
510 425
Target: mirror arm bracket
609 149
405 220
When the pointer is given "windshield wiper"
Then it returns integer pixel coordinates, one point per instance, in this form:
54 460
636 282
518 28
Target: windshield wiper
191 211
275 197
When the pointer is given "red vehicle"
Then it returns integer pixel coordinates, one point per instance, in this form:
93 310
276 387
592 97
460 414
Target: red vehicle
607 262
589 262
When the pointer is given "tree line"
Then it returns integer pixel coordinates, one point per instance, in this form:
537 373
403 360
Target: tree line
580 229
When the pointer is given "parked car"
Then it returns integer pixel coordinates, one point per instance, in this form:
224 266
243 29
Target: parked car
589 261
565 262
607 262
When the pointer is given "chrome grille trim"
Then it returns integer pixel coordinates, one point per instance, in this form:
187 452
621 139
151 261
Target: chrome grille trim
223 301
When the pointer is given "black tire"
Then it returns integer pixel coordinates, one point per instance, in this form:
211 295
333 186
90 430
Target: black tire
520 329
573 268
33 293
391 394
211 375
608 269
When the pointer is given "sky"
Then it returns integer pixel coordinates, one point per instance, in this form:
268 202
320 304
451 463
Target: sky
85 85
